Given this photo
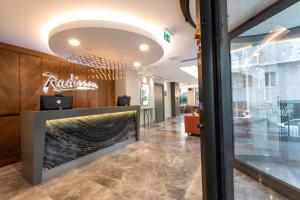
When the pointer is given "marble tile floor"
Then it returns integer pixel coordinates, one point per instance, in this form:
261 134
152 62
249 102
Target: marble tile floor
165 164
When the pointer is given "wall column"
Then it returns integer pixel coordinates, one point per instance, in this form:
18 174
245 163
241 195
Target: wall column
175 99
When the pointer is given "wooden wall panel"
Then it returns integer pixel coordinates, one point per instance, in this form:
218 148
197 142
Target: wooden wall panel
103 93
30 82
9 140
92 98
9 82
65 70
21 86
111 93
81 97
51 66
92 95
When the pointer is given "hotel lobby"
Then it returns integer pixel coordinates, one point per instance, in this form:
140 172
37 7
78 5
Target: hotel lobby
171 100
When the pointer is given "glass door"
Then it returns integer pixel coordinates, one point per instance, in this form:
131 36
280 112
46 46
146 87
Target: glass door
265 71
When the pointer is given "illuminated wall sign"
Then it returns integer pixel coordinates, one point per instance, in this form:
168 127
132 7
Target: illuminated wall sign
167 36
64 85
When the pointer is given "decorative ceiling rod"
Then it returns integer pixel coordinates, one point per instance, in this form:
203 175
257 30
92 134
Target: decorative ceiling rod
103 68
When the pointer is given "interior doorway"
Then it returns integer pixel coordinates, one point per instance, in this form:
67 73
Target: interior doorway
159 103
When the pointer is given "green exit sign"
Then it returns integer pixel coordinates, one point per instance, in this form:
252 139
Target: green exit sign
167 36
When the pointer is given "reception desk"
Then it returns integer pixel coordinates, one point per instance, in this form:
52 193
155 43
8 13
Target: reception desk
55 141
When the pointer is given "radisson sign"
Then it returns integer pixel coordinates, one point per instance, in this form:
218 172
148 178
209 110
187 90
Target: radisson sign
64 85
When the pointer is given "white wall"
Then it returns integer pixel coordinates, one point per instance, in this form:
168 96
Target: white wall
131 87
168 107
191 96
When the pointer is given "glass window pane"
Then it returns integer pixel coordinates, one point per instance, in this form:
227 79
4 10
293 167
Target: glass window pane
183 96
249 81
273 80
266 96
266 79
197 96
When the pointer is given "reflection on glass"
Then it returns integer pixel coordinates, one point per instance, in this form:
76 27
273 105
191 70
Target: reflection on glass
266 96
145 94
197 97
183 96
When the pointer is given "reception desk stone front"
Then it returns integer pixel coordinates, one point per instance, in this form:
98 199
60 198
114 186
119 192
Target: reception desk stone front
72 138
55 141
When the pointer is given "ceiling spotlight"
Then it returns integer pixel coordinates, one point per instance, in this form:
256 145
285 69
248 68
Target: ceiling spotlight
137 64
144 47
74 42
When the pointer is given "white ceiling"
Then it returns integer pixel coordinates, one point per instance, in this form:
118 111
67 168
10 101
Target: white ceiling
23 23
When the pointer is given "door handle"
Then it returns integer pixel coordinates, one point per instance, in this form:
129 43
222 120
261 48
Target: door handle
200 126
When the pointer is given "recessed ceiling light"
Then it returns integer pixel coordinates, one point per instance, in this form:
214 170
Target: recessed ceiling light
137 64
144 47
74 42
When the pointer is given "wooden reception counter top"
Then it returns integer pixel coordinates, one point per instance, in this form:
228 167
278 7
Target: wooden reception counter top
58 140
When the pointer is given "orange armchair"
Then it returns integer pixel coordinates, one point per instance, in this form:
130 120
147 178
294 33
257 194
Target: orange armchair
190 124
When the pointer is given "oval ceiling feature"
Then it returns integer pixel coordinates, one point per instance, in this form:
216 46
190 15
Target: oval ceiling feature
113 44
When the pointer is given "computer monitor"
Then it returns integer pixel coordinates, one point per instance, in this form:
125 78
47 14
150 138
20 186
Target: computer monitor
56 102
123 100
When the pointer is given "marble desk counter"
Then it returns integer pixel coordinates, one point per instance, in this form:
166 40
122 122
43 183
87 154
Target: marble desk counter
55 141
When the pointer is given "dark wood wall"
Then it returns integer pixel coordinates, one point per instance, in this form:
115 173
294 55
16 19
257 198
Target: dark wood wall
21 85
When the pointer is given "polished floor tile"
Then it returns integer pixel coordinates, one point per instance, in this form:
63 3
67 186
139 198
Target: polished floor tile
165 164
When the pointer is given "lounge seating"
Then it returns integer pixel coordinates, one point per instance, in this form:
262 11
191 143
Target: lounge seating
190 124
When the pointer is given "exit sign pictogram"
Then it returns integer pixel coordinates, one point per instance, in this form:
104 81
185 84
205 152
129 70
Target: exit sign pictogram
167 37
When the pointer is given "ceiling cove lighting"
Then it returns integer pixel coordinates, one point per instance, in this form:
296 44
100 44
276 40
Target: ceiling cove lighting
144 47
152 30
74 42
191 70
137 64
